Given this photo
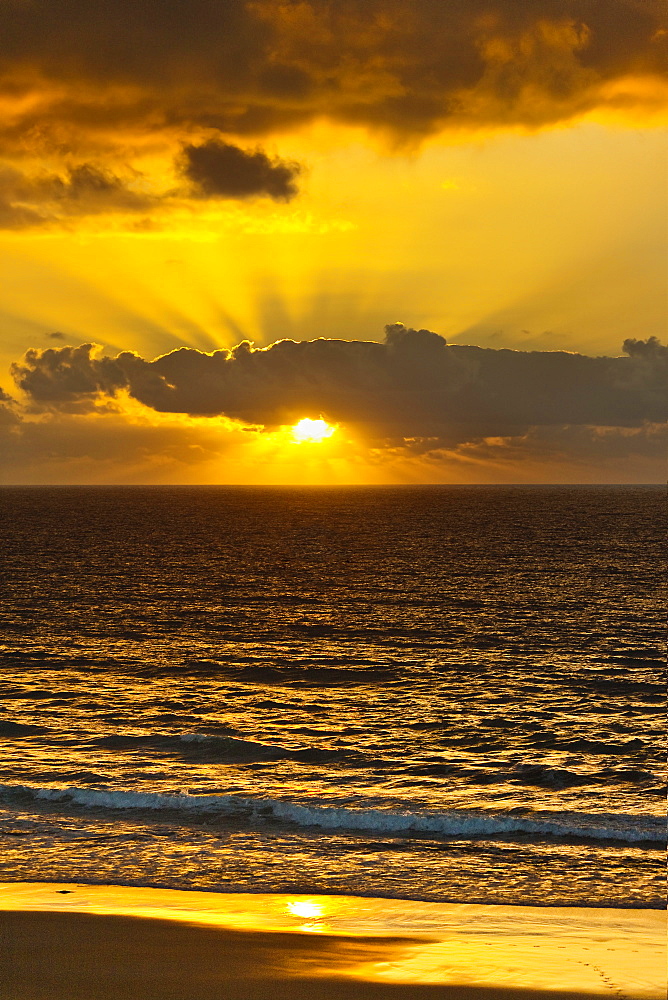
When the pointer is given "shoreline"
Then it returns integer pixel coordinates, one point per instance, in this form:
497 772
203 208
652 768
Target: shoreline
95 942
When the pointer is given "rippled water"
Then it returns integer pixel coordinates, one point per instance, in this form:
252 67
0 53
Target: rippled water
433 692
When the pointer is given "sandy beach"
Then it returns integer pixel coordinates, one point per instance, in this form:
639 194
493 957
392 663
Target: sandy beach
78 942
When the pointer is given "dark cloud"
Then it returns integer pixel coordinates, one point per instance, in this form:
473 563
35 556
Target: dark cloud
89 183
74 446
90 87
9 418
441 411
17 217
576 453
67 376
219 169
51 199
651 350
79 72
213 169
413 385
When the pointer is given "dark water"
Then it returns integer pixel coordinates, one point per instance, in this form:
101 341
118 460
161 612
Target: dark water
443 693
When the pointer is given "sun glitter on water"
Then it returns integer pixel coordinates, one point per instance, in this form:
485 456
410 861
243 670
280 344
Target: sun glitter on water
312 430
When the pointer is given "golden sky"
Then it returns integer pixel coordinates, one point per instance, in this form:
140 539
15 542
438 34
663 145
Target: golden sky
187 178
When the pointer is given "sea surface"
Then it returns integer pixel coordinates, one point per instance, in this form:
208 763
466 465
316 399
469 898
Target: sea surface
435 693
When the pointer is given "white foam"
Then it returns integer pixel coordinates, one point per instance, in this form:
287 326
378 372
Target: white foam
453 823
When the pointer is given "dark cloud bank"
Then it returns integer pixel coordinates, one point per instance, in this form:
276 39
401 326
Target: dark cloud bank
253 66
413 385
86 84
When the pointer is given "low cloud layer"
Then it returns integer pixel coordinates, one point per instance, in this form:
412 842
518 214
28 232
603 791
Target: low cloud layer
413 385
411 409
89 86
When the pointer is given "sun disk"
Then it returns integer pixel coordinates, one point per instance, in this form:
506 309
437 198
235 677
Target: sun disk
312 430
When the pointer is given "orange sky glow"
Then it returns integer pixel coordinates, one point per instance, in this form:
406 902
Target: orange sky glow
438 228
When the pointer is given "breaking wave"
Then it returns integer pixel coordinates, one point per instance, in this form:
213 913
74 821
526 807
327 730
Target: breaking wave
452 823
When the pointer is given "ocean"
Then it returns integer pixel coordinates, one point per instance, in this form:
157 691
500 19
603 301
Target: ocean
440 693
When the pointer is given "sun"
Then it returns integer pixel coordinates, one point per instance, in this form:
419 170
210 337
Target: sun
312 430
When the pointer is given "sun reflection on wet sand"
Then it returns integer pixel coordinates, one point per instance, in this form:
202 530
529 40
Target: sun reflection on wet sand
306 908
348 941
312 912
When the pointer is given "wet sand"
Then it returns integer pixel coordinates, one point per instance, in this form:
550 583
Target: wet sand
75 942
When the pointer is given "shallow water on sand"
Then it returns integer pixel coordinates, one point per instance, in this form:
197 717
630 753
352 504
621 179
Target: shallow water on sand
443 693
65 939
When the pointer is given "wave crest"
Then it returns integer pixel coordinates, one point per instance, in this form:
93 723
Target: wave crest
452 823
